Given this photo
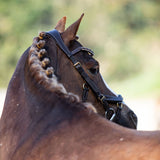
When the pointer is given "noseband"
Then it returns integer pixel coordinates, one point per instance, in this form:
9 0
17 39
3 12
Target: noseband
110 113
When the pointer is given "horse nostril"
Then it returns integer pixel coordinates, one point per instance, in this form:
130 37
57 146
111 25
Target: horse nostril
133 117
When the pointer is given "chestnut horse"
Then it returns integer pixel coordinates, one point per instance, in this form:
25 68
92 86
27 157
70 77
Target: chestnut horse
43 119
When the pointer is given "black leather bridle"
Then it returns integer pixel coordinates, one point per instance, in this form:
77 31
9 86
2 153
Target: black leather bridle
110 113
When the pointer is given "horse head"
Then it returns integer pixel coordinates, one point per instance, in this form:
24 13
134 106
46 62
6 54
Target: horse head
61 55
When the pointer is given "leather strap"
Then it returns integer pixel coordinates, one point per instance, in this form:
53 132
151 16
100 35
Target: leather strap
82 49
57 37
104 99
85 92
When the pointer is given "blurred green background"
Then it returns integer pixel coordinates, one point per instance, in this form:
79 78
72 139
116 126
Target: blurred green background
124 34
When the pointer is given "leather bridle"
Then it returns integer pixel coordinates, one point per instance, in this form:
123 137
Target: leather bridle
110 113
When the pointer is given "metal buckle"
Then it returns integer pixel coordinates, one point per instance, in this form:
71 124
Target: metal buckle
76 64
85 92
101 97
120 105
85 86
110 114
87 50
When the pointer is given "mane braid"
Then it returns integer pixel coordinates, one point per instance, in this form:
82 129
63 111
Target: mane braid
43 73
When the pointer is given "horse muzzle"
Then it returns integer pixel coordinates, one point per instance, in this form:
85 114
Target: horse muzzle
128 119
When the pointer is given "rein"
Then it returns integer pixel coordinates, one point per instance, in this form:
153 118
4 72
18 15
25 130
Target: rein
110 113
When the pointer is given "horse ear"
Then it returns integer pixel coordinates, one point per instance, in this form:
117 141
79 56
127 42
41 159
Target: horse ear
61 25
70 33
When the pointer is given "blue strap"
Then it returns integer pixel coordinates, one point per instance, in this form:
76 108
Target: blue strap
114 98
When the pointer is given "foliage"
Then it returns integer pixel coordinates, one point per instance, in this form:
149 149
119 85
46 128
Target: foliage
124 34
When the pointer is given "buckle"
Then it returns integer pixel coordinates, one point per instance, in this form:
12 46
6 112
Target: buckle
85 92
90 52
120 105
101 97
77 64
104 102
85 86
110 114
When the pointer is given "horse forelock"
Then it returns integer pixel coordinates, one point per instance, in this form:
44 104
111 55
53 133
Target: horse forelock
43 73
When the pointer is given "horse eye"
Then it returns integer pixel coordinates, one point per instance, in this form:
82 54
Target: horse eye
94 70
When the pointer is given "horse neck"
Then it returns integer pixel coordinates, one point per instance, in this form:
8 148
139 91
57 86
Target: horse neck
15 113
30 97
26 91
16 85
